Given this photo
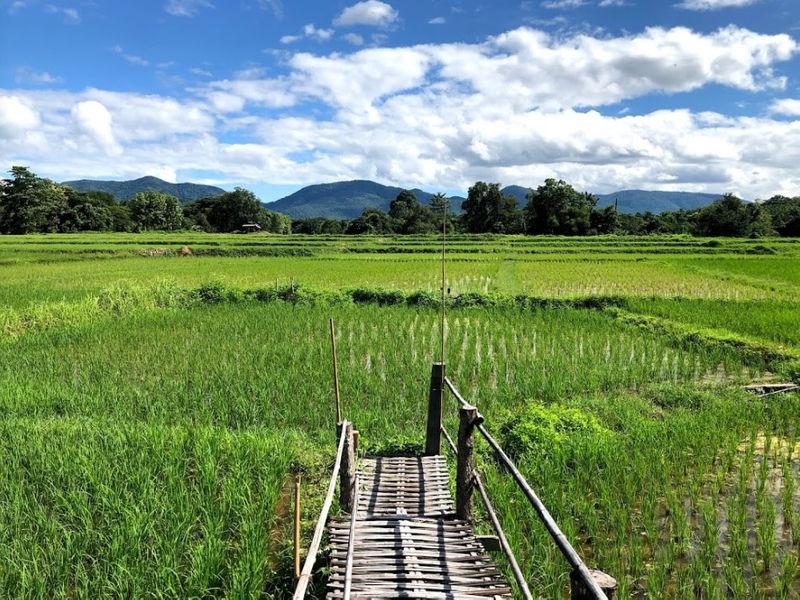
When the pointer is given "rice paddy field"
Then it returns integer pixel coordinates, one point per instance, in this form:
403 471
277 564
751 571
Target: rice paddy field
155 403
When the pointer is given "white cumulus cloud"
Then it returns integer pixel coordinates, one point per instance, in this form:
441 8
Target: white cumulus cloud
93 119
786 106
369 12
16 117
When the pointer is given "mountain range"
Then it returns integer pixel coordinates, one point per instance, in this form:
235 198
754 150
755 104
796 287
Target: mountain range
633 201
347 199
125 190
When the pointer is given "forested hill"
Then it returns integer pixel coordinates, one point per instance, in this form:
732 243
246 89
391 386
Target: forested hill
341 199
348 199
125 190
637 201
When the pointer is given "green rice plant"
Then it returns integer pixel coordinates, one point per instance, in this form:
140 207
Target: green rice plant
152 405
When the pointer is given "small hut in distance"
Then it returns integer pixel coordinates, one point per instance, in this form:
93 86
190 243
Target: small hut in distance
251 228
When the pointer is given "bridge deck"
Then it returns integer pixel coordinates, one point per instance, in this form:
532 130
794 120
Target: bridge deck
408 541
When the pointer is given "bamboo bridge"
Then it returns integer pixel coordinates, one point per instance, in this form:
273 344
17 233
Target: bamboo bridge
402 535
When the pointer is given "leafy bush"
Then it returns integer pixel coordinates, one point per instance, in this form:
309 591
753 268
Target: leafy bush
473 299
217 292
423 299
538 430
377 296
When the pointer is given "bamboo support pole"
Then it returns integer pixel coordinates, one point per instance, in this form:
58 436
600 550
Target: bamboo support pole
433 434
468 419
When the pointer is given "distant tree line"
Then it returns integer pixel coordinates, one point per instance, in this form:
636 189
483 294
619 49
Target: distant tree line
556 208
31 204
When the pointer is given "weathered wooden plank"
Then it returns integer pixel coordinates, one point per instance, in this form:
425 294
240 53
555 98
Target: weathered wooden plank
408 543
416 594
488 570
433 587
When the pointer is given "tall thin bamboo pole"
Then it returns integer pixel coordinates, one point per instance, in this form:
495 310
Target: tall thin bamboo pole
444 279
297 526
335 373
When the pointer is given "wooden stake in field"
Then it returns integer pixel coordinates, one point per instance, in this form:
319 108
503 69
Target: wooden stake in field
335 373
444 280
297 526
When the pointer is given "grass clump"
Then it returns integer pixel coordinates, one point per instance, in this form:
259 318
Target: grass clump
537 430
670 396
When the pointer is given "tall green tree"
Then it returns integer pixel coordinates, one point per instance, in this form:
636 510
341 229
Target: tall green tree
603 221
89 211
274 222
558 208
785 214
730 216
155 210
371 221
487 210
231 210
31 204
409 215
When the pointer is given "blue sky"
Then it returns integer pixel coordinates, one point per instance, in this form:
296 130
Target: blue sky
272 95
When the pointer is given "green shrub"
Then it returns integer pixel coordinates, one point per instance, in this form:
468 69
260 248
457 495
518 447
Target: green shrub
423 299
217 292
538 430
377 296
477 299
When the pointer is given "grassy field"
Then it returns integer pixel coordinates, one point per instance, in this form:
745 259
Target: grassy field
154 406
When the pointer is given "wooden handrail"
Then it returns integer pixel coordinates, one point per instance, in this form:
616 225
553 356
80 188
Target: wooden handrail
575 561
313 549
579 568
455 392
501 536
498 528
351 543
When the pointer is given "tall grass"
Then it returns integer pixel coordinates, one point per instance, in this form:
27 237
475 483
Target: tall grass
94 508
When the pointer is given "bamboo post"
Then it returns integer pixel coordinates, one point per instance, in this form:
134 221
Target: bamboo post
578 589
316 540
297 526
335 373
465 468
433 434
347 474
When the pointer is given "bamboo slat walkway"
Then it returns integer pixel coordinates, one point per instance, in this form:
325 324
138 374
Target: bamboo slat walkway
407 541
